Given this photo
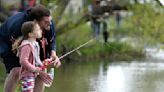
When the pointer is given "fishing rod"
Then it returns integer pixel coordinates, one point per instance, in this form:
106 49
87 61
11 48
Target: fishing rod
46 64
76 49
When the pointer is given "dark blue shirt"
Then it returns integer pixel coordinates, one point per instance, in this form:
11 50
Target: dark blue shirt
11 28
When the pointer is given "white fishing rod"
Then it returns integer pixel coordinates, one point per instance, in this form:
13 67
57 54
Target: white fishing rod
46 64
76 49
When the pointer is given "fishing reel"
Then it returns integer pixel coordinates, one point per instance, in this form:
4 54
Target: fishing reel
46 64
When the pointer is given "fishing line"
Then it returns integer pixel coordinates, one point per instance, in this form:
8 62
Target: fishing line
46 64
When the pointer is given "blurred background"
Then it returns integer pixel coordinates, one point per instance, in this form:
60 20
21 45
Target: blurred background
126 55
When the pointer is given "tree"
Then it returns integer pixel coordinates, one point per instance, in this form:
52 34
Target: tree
147 20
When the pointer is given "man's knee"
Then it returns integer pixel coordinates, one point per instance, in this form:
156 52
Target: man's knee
39 85
15 72
11 80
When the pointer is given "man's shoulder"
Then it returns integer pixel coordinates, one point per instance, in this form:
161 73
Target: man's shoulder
18 16
16 20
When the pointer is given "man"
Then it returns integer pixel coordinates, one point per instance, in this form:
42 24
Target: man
96 17
10 30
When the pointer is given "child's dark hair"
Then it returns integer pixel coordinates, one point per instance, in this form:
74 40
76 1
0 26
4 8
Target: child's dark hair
38 12
27 28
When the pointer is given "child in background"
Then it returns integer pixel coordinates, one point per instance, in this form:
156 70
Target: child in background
28 53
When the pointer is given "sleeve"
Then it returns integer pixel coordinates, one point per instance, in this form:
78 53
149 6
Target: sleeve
24 58
15 31
53 38
14 26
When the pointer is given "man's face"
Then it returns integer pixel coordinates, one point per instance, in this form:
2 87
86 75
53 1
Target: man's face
44 23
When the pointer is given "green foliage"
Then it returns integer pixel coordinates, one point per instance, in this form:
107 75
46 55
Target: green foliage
2 74
122 2
97 48
147 21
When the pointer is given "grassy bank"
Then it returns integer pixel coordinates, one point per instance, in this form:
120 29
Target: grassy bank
2 74
113 50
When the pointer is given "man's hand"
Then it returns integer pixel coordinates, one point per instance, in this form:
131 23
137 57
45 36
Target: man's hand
57 62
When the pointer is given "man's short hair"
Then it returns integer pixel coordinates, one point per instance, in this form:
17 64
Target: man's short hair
38 12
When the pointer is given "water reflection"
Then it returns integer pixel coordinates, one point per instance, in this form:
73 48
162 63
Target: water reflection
130 77
138 76
113 80
143 76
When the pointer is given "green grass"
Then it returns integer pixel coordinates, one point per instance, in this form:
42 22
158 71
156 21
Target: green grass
96 49
2 76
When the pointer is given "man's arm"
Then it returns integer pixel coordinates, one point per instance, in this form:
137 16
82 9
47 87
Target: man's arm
53 46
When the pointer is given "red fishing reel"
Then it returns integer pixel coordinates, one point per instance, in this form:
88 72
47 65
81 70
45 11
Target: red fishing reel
46 64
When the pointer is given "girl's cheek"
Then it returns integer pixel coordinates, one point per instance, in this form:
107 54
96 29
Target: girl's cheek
40 34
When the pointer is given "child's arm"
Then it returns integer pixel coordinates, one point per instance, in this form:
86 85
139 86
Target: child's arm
24 59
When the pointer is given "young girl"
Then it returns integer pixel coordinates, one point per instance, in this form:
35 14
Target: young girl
28 53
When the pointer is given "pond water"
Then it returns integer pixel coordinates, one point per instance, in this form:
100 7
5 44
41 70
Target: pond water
137 76
108 76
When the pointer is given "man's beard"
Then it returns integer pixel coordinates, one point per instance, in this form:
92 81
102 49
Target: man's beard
46 29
